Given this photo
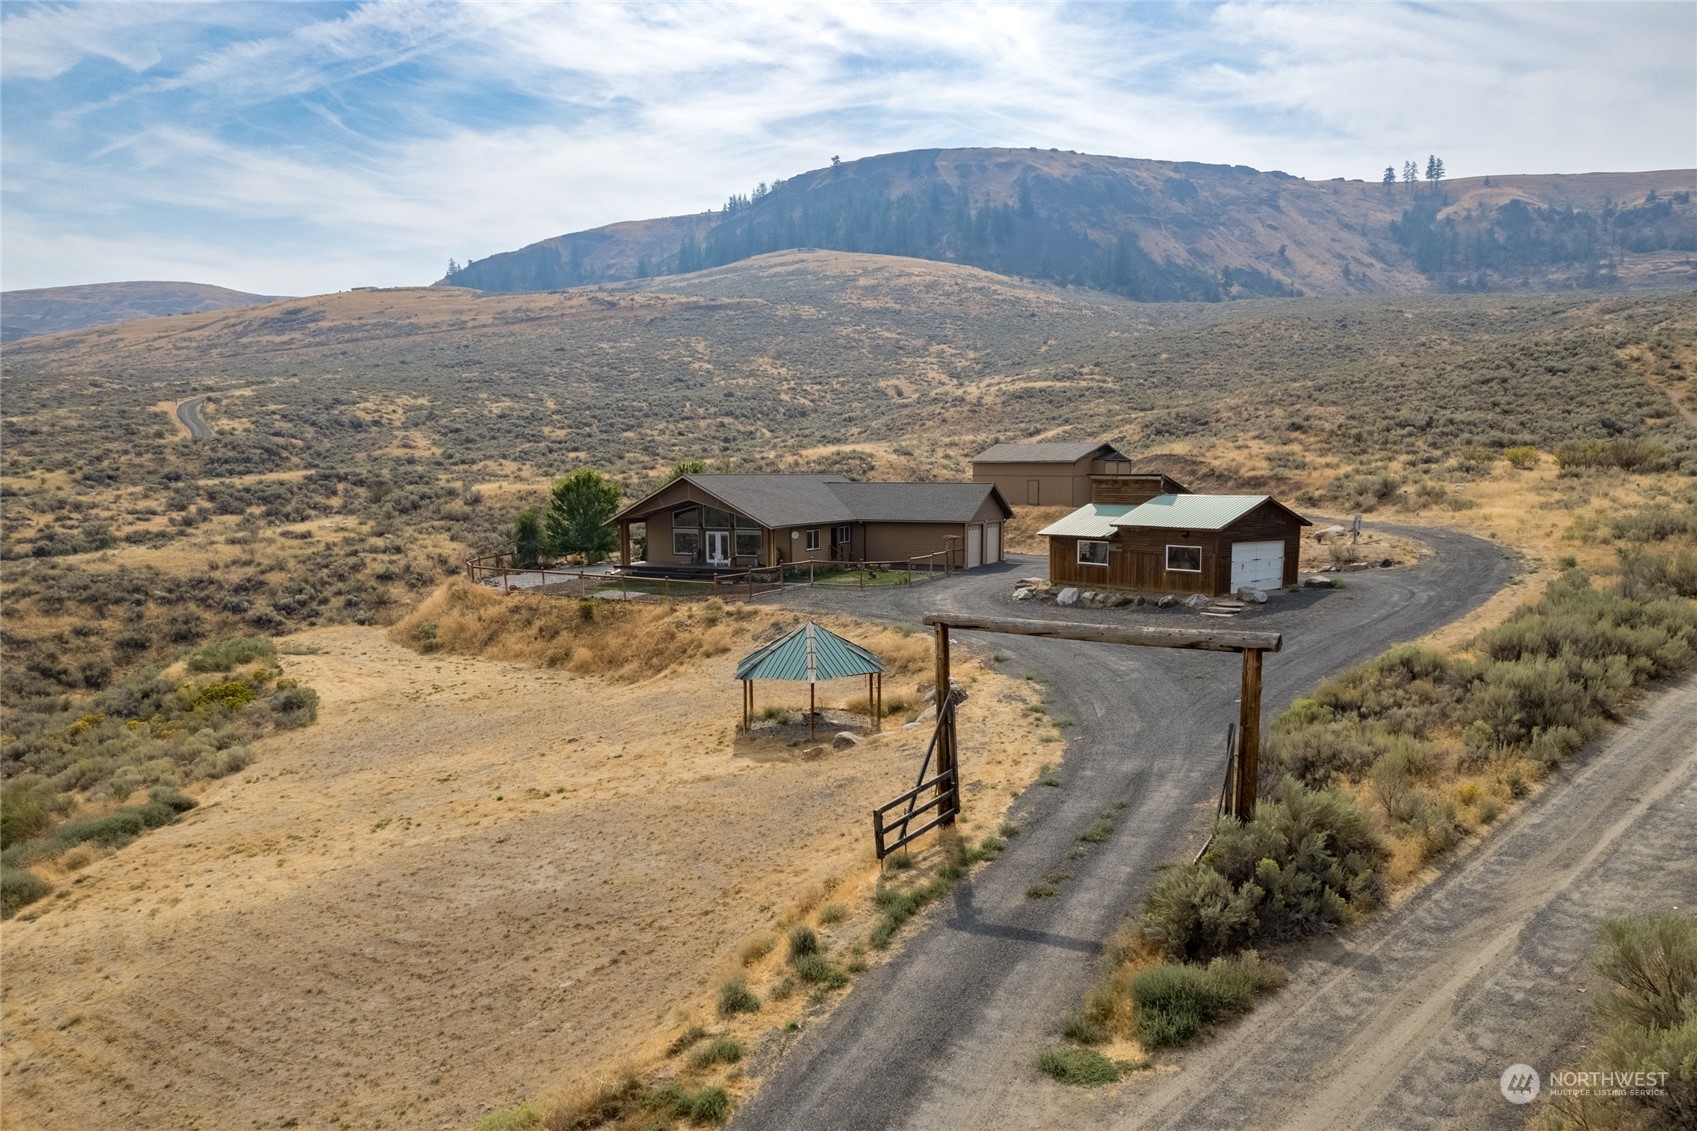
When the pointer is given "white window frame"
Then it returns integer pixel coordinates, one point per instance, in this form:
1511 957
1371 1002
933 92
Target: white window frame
1171 568
813 538
1083 542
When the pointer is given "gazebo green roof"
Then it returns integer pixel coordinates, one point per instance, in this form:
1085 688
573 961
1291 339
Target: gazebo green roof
810 654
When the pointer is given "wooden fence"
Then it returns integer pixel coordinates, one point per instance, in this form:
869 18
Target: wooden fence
499 570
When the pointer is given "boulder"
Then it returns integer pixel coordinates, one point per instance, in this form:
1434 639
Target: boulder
1033 582
1069 596
1120 600
1248 593
812 753
1022 594
844 739
1167 602
1196 601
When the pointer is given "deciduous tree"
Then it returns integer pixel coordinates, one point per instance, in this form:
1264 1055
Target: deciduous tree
578 510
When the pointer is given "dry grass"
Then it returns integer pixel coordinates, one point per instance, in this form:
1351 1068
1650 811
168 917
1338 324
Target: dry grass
621 642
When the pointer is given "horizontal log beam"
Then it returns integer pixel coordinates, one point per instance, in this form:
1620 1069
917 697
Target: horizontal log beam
1202 639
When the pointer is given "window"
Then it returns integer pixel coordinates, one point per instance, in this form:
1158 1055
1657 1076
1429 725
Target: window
1092 553
748 543
746 523
687 516
813 539
844 536
1184 559
715 519
686 543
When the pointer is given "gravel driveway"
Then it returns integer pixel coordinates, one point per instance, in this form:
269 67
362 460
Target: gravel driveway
944 1034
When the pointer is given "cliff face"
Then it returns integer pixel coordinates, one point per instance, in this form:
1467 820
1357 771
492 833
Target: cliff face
1159 230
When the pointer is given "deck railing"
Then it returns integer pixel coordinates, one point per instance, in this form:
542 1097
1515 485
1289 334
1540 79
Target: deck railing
500 570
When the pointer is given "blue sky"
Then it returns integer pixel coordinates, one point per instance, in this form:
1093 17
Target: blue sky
299 148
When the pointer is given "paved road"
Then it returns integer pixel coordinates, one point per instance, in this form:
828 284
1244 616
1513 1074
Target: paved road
943 1035
189 413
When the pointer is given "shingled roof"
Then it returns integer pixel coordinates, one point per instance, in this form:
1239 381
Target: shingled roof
808 500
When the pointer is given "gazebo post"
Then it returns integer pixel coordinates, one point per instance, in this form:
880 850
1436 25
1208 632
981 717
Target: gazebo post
811 716
871 706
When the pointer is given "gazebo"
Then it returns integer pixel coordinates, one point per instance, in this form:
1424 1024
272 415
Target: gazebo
813 654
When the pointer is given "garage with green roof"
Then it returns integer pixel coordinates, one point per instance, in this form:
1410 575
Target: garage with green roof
1178 543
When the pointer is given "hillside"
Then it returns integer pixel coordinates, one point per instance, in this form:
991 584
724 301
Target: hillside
873 365
1161 230
50 310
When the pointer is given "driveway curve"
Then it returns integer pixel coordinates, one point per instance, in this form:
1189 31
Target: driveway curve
943 1035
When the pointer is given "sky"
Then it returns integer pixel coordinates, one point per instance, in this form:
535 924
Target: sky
302 148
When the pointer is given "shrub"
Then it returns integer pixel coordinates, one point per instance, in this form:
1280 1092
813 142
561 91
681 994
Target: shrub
735 997
755 949
1083 1029
23 813
1082 1067
802 941
1306 860
19 887
230 695
294 707
520 1118
820 974
720 1050
1521 456
832 913
1175 1002
225 655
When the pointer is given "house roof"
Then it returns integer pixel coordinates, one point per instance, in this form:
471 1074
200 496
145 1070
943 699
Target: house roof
1039 453
914 502
1092 520
771 500
1168 512
811 654
820 500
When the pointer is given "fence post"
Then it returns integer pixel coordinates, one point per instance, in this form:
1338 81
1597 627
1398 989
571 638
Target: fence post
810 573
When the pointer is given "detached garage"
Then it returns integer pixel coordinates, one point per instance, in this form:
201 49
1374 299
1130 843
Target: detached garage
1208 544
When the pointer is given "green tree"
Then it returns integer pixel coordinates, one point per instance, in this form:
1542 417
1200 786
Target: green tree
1434 170
686 467
1410 173
527 537
1389 178
578 510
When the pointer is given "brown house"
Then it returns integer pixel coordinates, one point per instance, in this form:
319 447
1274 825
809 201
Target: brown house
748 521
1049 475
1178 543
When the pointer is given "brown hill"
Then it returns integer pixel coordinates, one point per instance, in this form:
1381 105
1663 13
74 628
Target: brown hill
1161 230
51 310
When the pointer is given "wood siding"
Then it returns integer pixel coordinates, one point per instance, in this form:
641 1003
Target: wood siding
1137 555
899 541
1132 489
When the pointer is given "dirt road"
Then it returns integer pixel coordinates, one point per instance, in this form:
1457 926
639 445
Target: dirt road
944 1035
1411 1022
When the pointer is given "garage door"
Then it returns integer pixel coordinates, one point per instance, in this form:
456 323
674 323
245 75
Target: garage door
1258 565
992 543
974 547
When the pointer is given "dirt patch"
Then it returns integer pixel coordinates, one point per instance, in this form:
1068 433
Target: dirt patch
471 882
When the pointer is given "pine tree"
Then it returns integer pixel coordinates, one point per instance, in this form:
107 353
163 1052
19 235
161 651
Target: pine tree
1389 178
1410 174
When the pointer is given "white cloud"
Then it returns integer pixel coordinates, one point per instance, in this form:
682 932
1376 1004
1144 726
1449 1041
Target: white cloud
281 151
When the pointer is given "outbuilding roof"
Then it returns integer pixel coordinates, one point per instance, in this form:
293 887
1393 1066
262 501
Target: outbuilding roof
1092 520
810 654
1040 453
1167 512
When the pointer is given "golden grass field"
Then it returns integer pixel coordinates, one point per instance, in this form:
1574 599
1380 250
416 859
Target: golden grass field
471 882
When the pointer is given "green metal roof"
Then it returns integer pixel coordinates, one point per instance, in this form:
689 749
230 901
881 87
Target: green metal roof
1092 520
809 654
1192 512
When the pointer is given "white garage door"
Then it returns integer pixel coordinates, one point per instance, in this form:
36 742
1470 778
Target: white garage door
1258 565
974 547
993 543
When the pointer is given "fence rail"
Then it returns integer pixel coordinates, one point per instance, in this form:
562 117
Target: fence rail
501 570
946 802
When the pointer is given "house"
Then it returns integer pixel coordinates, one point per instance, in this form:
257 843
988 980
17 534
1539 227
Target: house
748 521
1060 474
1178 543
